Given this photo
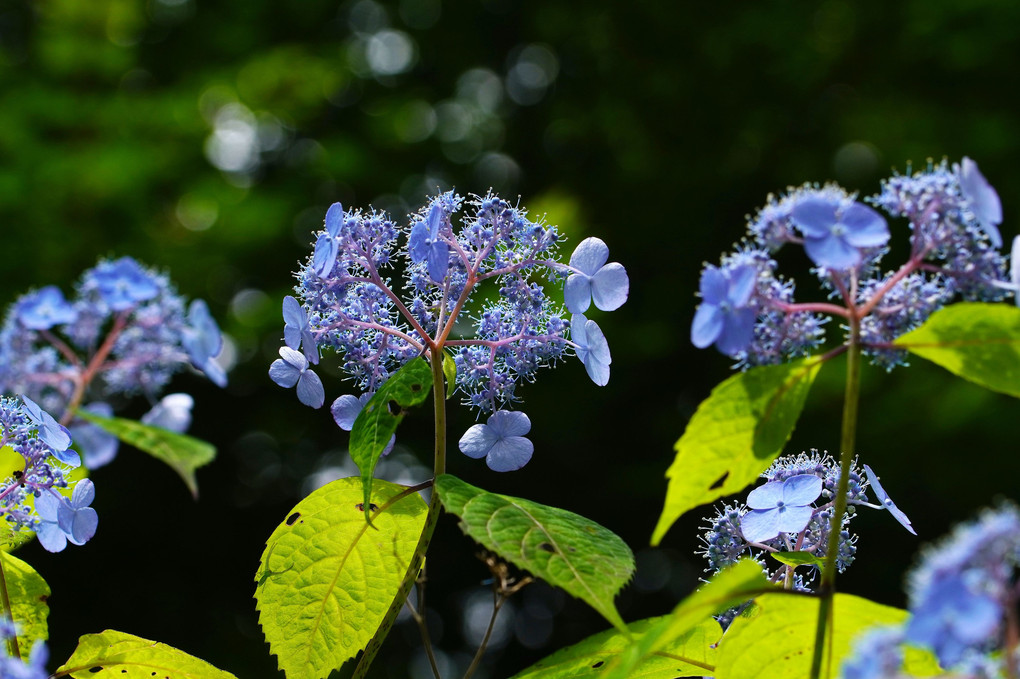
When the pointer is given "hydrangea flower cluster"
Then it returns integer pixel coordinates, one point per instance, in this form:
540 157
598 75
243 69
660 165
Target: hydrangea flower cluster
748 312
346 301
126 331
29 500
792 511
961 596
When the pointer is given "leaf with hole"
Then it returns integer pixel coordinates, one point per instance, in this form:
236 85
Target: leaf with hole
378 420
184 454
111 654
327 577
735 435
566 550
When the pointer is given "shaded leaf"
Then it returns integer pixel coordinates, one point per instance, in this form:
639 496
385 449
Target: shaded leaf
566 550
734 436
798 559
327 577
28 594
777 639
378 420
979 342
116 654
184 454
730 587
589 657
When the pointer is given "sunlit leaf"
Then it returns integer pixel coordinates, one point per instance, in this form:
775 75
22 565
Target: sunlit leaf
112 654
378 420
28 594
327 577
730 587
798 559
566 550
690 655
449 372
184 454
734 436
979 342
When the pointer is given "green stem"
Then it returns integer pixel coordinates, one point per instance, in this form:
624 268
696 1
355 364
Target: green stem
847 445
12 643
431 519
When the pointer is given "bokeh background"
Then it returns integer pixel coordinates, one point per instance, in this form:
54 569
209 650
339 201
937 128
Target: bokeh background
207 138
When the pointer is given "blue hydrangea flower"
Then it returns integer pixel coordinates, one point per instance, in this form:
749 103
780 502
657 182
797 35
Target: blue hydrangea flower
345 411
326 246
173 413
33 667
292 369
834 235
122 284
203 342
53 434
592 348
1014 269
500 441
954 616
97 446
780 507
426 245
983 200
593 279
877 654
44 309
724 317
297 332
66 520
883 498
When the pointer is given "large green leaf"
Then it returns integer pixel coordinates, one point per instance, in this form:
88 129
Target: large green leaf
184 454
730 587
692 654
564 549
979 342
378 420
27 593
327 577
112 654
776 640
734 436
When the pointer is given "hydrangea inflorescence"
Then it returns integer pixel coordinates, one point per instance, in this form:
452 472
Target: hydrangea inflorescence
126 331
792 512
29 499
748 312
346 301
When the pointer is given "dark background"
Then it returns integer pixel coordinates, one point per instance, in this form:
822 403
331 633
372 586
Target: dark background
207 138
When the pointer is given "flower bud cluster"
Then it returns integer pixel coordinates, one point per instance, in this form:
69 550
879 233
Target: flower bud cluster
126 331
953 214
346 301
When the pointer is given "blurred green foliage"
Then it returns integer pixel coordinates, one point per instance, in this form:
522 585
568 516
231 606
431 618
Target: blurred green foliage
207 137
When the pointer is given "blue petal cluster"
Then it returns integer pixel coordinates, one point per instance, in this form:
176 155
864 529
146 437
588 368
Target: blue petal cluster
345 300
126 331
954 215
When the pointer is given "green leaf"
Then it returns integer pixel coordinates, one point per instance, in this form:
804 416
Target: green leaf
735 435
449 372
28 594
689 655
116 654
777 639
327 577
564 549
184 454
730 587
977 341
378 420
798 559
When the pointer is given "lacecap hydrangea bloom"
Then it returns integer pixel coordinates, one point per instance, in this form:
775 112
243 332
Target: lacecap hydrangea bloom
345 300
748 311
30 499
126 331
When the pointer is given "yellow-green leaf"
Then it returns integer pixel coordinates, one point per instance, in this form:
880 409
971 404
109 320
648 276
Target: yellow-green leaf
112 654
327 577
28 594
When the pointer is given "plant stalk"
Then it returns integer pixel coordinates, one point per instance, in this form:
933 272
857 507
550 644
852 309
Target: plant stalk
847 445
12 643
